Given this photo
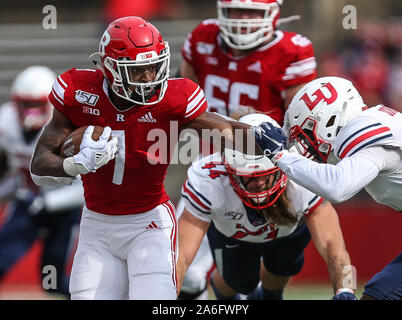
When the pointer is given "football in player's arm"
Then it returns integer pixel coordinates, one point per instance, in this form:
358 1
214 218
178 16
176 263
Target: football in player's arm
338 146
130 96
251 211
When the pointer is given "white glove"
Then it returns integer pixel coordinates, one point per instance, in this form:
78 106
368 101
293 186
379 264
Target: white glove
93 154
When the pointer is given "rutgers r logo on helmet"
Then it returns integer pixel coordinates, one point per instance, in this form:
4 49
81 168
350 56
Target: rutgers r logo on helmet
135 60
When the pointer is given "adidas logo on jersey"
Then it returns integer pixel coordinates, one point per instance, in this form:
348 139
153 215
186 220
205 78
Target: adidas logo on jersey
256 67
147 118
152 225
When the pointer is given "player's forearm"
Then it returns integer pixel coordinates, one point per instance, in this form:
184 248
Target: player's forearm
339 267
46 160
182 267
225 133
46 163
335 183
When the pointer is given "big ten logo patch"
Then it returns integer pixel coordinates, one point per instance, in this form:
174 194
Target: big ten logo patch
89 110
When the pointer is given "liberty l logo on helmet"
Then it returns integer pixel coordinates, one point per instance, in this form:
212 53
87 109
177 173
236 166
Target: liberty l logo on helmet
319 96
313 125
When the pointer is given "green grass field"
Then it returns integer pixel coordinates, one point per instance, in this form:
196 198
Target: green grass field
307 292
292 292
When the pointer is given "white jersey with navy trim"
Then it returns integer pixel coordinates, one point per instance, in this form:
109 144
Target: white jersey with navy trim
210 197
19 153
378 125
370 149
12 142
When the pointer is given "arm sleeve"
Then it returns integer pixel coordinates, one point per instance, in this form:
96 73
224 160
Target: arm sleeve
65 197
196 102
196 192
339 182
302 68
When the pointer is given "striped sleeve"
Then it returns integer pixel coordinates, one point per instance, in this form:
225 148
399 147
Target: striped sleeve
57 95
300 69
196 104
313 204
356 136
196 201
302 65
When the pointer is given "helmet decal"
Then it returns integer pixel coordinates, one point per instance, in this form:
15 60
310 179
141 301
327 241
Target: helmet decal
319 96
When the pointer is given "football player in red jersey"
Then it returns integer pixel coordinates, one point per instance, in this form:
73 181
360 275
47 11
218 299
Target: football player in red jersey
243 61
127 243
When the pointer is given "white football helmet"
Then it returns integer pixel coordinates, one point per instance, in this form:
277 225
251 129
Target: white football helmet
316 114
246 34
240 165
30 91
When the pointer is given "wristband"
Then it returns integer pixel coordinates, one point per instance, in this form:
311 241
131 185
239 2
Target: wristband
344 290
73 169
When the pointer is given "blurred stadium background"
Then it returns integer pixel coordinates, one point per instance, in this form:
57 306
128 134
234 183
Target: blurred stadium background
370 55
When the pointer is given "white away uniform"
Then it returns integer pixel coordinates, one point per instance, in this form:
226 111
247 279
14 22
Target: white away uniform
370 151
19 153
210 197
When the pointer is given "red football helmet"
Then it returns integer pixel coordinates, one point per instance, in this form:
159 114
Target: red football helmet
131 46
247 33
29 92
240 166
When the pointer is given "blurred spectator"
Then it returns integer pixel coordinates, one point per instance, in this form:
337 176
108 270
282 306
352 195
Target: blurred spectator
371 58
147 9
50 214
395 84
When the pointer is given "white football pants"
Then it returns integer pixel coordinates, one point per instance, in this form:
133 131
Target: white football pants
126 256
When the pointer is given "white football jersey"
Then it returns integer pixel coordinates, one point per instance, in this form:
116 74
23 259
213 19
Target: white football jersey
376 126
19 153
210 197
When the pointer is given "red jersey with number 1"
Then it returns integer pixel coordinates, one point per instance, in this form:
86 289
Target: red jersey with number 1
132 182
255 80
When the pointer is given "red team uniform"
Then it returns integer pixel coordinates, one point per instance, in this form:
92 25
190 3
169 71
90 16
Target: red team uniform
255 80
130 183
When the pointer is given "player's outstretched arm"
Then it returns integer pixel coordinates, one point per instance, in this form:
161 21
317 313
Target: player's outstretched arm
225 132
326 233
46 160
191 233
336 183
